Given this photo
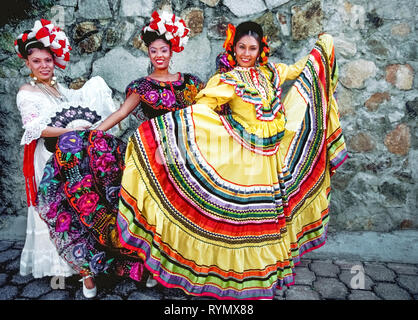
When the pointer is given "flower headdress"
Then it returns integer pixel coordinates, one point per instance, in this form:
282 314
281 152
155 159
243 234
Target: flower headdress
50 36
229 44
173 28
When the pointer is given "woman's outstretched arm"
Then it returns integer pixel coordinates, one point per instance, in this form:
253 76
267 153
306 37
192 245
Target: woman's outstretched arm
125 109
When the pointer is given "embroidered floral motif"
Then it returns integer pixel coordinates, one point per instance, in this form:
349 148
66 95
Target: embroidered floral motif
63 222
190 93
159 97
70 142
80 221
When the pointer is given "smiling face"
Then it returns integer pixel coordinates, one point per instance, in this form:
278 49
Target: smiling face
41 62
160 54
246 51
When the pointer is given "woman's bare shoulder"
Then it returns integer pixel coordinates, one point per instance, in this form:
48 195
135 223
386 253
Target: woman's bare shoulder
28 88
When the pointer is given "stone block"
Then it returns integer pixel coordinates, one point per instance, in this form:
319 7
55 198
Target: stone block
379 272
345 101
378 48
401 30
354 73
94 9
304 276
151 294
301 293
361 142
56 295
354 15
134 8
250 7
119 75
91 44
398 140
9 255
111 297
36 289
345 47
400 75
194 19
195 58
325 268
18 279
125 288
271 4
217 27
390 291
210 3
410 282
270 27
330 288
80 68
119 33
362 295
401 268
8 293
83 29
376 99
69 3
307 20
284 27
4 245
3 279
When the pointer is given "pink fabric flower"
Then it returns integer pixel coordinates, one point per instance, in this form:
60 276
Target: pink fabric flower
87 202
63 222
75 187
52 212
105 161
87 181
151 96
101 144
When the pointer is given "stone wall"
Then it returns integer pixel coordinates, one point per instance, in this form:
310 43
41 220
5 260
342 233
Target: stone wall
376 51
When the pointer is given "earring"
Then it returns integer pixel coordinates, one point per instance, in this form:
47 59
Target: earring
34 79
53 80
150 68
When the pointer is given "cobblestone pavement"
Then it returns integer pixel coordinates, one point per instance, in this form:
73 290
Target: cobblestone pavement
335 279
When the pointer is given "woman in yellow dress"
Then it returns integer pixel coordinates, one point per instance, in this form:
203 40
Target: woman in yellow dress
225 204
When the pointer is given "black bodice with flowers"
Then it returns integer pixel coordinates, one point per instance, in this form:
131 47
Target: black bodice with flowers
158 98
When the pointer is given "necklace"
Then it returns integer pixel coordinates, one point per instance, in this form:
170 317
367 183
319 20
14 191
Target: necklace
54 95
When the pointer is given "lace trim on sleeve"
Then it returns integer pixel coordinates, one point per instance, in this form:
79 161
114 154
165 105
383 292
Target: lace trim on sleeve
34 116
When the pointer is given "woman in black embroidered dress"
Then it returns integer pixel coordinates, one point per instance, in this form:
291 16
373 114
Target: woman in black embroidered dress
83 180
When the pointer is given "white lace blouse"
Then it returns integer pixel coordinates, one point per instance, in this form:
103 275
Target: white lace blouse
37 109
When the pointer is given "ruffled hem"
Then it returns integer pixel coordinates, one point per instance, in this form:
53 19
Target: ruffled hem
233 227
41 263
